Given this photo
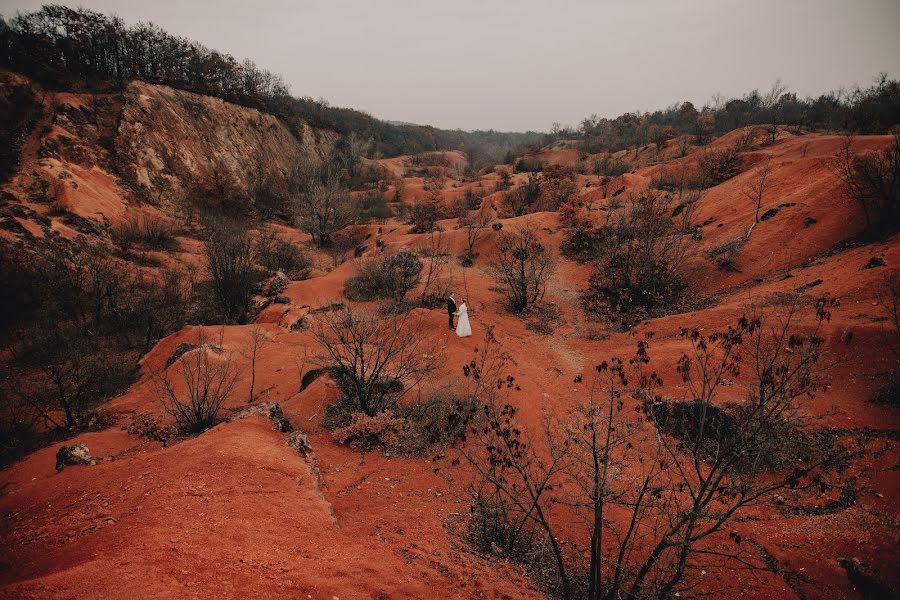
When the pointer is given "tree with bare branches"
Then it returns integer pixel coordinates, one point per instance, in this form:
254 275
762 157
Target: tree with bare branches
642 255
322 203
522 266
755 189
473 223
258 340
377 360
437 257
656 494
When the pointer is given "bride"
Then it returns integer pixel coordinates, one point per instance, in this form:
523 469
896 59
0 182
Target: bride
463 329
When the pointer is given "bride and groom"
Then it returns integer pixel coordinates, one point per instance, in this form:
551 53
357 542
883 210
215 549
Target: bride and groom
463 329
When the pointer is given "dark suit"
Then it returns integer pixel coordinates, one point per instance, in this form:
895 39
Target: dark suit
451 308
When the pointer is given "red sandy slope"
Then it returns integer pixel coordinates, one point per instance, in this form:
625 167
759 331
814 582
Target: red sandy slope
236 512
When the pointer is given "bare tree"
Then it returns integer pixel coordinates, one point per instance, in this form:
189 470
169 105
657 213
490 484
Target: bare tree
322 204
522 265
376 360
770 102
474 223
756 188
655 495
258 340
206 379
229 256
438 257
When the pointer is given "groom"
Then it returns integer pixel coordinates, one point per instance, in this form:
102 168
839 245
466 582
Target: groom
451 308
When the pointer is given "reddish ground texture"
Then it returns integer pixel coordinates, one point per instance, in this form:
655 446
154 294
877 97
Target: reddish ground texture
237 512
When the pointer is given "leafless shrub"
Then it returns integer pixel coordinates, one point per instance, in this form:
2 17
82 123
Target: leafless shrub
257 341
524 198
205 380
756 188
229 256
424 215
149 232
522 266
642 256
436 258
322 204
651 508
385 276
717 166
277 254
872 179
474 224
376 360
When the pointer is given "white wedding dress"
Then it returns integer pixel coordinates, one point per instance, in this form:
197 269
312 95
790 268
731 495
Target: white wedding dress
463 329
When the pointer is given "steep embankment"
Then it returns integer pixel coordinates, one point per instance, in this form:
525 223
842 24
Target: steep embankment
92 160
168 140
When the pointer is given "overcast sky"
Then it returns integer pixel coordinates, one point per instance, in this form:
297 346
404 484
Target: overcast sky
523 64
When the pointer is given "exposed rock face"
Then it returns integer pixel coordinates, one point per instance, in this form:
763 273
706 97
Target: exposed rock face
270 410
275 284
169 140
94 158
78 454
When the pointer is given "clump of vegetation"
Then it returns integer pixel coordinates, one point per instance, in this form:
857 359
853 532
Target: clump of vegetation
277 254
321 201
376 360
229 256
608 166
522 266
523 199
872 179
424 215
149 232
474 224
372 207
717 166
207 379
677 179
385 276
504 181
528 164
641 259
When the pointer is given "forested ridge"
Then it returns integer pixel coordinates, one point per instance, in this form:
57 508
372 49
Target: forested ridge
62 47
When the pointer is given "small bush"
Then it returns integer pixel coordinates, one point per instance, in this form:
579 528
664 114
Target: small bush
424 215
529 165
385 276
276 254
641 258
207 379
230 262
522 266
523 199
607 166
150 232
409 429
472 200
372 207
717 166
383 431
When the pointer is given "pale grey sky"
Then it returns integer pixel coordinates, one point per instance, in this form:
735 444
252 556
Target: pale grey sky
523 64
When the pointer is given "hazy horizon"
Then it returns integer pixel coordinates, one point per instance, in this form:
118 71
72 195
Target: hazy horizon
515 67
